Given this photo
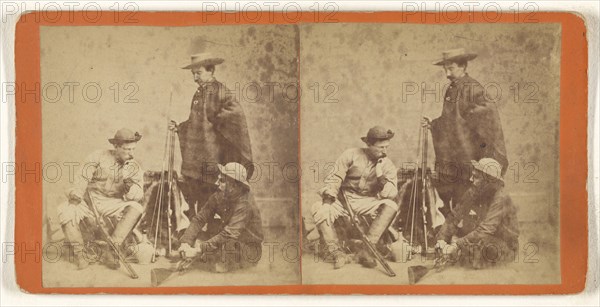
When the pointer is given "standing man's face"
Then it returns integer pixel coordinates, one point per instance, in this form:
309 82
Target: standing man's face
453 71
378 149
125 151
201 74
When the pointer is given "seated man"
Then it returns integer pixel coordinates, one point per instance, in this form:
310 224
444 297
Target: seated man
485 221
113 181
368 179
233 236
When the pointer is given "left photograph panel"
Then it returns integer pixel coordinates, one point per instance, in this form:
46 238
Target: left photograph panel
170 155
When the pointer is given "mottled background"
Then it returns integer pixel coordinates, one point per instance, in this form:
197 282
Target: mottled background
376 73
260 68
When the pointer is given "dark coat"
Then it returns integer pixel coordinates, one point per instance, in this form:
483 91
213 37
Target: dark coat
215 132
239 221
483 217
469 127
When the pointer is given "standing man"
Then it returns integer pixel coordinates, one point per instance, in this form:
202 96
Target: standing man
233 240
468 129
484 223
113 181
368 178
215 133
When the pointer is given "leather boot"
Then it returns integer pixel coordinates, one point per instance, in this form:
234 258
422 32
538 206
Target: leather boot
332 246
124 227
379 225
75 239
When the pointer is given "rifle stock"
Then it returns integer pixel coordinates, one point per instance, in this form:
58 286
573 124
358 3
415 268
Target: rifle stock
365 239
158 276
417 272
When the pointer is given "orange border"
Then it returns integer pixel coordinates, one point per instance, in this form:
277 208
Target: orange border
573 150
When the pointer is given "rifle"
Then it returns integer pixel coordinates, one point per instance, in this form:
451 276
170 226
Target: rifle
108 239
356 223
158 276
416 272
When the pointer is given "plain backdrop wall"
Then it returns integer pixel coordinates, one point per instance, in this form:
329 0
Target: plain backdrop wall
376 73
137 70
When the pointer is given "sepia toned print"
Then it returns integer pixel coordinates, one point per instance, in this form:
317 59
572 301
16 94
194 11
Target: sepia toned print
433 153
178 143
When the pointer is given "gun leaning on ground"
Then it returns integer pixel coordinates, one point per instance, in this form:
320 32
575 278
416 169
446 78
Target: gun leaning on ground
158 276
356 223
100 222
416 272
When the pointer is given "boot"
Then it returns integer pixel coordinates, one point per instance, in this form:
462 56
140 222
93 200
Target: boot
124 227
109 257
331 241
339 259
75 239
379 225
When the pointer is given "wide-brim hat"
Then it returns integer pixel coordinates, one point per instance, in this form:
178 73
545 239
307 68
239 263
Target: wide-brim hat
489 167
203 59
236 171
125 135
455 55
378 133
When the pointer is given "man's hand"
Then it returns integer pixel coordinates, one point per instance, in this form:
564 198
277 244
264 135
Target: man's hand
173 125
449 251
335 211
426 122
130 170
452 250
328 199
441 244
187 250
74 199
379 168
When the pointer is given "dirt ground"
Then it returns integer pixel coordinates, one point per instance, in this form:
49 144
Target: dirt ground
538 263
279 265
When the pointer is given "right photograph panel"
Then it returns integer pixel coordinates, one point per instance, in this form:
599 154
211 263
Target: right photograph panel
430 153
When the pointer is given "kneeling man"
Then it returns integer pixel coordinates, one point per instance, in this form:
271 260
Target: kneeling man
484 221
228 227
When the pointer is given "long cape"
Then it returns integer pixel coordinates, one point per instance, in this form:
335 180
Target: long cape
229 122
470 134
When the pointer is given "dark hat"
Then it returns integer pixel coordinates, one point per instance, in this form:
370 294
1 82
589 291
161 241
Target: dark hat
203 59
125 135
378 133
455 55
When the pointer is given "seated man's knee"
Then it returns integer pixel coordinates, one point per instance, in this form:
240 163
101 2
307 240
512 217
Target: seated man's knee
317 207
390 203
67 213
135 206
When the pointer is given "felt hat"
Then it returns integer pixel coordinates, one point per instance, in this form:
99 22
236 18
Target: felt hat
203 59
125 135
236 171
378 133
455 55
